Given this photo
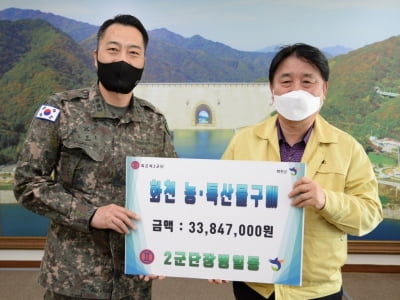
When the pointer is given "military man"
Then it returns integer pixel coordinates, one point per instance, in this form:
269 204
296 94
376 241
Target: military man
72 170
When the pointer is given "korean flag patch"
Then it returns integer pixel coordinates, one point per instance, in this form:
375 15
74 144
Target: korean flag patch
47 112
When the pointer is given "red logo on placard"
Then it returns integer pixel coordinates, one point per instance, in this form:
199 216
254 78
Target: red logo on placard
135 165
146 256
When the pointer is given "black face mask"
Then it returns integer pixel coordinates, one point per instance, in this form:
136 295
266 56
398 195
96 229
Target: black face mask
119 76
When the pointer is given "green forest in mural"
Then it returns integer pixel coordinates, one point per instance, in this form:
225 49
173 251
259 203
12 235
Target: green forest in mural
37 60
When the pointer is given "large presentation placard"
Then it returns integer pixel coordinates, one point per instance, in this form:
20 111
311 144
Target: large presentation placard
214 219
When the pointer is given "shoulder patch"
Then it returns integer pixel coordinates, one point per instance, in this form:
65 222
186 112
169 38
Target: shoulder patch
47 112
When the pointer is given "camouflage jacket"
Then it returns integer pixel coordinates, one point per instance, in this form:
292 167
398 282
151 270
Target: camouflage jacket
73 164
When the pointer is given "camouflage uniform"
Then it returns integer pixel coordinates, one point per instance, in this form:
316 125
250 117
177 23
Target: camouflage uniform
70 167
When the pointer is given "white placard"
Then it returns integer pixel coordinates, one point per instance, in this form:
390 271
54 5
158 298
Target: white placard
211 219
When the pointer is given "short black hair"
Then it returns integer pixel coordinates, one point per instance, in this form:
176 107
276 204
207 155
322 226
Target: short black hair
307 52
127 20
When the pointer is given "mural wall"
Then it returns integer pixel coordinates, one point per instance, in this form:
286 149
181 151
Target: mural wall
206 88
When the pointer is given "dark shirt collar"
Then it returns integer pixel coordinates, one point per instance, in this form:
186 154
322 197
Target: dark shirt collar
281 137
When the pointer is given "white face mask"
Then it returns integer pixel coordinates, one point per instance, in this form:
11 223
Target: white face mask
297 105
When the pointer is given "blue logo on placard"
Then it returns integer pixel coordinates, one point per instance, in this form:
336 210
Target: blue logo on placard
293 171
276 264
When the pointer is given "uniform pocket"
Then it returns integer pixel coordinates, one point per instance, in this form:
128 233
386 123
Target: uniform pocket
78 169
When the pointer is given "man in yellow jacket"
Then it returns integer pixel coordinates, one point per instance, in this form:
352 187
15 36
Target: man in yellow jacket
339 193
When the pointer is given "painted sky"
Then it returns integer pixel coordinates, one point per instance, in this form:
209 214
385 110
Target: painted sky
245 24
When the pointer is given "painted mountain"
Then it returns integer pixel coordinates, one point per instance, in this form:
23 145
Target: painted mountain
170 57
37 60
357 101
42 54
